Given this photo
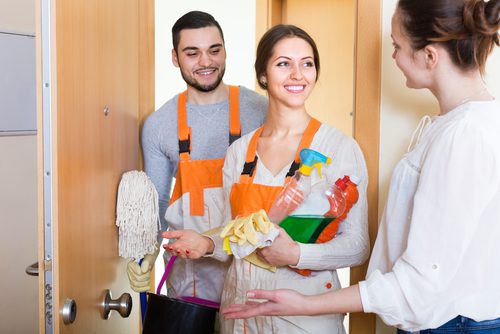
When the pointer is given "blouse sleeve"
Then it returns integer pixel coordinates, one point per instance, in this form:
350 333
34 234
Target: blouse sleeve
453 191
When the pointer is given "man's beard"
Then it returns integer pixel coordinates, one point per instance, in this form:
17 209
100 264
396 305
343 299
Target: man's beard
204 88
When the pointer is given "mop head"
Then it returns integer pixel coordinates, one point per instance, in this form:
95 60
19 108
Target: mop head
137 215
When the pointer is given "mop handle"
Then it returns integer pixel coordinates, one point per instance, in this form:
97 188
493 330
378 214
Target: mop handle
144 300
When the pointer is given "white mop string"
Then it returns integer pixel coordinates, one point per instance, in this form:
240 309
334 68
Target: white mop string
137 215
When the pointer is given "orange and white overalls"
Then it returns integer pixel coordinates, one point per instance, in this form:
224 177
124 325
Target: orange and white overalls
196 204
247 197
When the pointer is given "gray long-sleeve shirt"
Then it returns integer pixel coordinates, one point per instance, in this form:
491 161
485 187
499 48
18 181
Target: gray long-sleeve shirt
210 133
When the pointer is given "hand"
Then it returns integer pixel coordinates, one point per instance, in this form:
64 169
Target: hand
140 276
278 302
283 252
189 244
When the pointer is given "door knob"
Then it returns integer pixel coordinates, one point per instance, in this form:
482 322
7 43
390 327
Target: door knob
69 311
122 305
32 269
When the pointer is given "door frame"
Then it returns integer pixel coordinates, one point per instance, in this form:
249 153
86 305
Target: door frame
46 88
366 123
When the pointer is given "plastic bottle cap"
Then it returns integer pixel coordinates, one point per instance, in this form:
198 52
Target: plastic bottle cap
355 179
341 184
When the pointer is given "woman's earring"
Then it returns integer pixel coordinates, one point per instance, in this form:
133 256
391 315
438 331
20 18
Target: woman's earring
263 81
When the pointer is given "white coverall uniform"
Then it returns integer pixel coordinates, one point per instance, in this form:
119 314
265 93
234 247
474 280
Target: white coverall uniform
350 247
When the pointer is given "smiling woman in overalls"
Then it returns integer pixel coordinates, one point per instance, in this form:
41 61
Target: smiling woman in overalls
257 167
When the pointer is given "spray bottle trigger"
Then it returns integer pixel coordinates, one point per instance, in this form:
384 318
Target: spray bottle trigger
318 168
319 164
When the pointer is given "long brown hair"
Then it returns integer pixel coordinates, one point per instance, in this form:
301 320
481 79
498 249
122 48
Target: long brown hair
467 28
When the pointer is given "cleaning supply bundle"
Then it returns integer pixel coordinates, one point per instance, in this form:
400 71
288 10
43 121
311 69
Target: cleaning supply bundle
304 209
299 186
346 195
309 213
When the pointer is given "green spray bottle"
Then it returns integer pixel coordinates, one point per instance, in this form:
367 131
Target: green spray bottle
299 186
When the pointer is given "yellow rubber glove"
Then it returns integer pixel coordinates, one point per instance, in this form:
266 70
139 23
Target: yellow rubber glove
139 276
259 262
243 229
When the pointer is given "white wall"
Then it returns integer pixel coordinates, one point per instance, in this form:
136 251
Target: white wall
18 213
18 240
17 16
402 108
240 42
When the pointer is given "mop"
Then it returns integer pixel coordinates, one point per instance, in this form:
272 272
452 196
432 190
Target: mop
137 218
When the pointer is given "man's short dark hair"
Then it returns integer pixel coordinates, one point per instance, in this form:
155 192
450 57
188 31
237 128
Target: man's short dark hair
193 20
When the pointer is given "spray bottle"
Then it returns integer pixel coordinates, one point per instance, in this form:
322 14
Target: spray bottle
299 186
350 192
342 196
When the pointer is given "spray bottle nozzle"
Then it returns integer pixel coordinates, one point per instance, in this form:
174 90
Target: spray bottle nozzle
310 159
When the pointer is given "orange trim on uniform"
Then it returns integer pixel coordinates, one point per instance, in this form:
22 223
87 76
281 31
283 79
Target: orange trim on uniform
247 197
308 136
183 131
251 158
252 145
193 176
234 112
197 175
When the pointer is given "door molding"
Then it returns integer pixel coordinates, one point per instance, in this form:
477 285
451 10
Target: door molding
45 104
366 129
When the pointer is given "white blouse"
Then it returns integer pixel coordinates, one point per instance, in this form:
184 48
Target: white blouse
437 251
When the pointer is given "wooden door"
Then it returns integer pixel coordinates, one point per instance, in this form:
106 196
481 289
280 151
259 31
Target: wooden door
101 65
347 95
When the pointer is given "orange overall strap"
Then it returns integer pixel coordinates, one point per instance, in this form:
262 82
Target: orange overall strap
234 114
250 165
308 136
184 135
193 176
183 130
